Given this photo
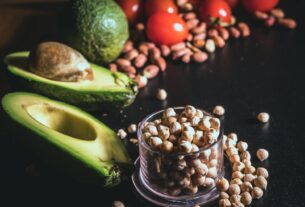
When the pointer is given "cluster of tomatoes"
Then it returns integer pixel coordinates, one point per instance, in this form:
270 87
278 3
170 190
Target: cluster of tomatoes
165 26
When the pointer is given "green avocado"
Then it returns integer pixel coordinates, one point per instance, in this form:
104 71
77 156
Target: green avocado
107 90
67 137
96 28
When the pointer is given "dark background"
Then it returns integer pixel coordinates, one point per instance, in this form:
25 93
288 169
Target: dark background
261 73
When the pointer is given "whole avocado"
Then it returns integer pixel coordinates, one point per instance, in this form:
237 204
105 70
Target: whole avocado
96 28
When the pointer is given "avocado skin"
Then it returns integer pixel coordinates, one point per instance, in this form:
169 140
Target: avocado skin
51 157
96 28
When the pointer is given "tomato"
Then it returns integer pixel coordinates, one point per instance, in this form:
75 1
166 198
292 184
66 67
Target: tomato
233 3
259 5
215 9
133 9
154 6
165 28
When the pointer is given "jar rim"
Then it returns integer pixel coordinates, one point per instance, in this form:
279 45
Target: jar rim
202 149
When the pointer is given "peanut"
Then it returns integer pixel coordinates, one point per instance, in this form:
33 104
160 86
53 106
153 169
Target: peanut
133 53
261 15
278 13
150 71
113 67
128 46
165 50
141 81
154 53
161 63
235 33
140 60
219 42
199 43
178 46
179 53
200 57
244 28
192 23
224 33
269 22
288 23
189 16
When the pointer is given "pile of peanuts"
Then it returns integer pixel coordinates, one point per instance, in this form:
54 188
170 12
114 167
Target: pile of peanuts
143 60
275 17
247 182
176 166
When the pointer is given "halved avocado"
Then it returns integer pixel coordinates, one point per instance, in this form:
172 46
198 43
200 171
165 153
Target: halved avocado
106 90
68 138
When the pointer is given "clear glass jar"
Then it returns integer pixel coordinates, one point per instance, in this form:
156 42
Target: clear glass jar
177 178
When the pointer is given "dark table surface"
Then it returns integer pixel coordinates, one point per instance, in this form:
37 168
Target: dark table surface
260 73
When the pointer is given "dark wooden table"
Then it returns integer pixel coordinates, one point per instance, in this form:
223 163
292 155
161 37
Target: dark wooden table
261 73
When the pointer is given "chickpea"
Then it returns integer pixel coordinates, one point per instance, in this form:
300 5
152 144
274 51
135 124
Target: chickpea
249 170
194 121
191 189
163 132
169 112
219 110
161 94
174 191
215 123
237 181
222 184
262 172
263 117
122 134
204 124
233 136
242 146
132 128
152 129
224 203
185 182
249 177
118 204
246 198
246 187
198 179
181 164
235 198
234 189
237 174
260 182
257 193
199 113
209 182
155 142
185 146
262 154
245 155
190 111
238 166
223 195
175 128
212 172
167 147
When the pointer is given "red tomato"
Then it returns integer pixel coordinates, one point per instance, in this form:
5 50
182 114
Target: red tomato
165 28
133 9
215 9
259 5
154 6
233 3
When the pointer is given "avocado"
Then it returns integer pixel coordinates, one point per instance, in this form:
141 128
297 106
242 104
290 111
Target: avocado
96 28
107 90
67 137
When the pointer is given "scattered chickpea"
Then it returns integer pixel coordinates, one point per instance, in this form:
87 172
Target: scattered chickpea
263 117
219 110
234 189
223 195
245 155
224 203
249 177
222 184
237 174
242 146
262 154
262 172
161 94
235 198
246 198
249 170
118 204
246 187
257 193
132 128
260 182
237 181
238 166
122 134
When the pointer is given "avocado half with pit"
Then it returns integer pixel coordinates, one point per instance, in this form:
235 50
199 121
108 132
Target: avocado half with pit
67 138
107 90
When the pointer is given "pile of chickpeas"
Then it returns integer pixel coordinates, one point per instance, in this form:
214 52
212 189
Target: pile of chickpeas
183 157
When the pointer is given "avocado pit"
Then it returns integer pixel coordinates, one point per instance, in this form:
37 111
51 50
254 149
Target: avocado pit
59 62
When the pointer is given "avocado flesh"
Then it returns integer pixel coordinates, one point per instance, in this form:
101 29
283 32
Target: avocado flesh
106 90
73 131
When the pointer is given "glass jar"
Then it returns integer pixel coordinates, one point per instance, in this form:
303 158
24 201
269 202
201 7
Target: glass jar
178 179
